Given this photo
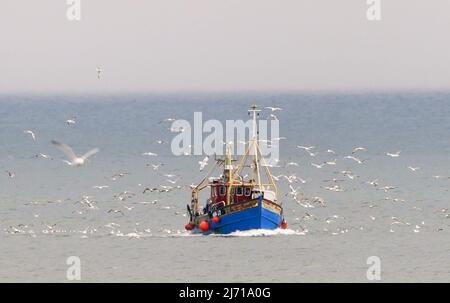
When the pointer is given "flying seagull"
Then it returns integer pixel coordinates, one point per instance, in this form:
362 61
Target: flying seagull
356 149
10 173
273 108
307 148
28 131
74 160
203 163
318 165
274 117
359 161
394 155
99 71
149 154
71 121
167 120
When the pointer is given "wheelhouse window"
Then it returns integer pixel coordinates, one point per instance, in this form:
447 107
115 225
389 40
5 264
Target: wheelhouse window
223 190
247 191
239 191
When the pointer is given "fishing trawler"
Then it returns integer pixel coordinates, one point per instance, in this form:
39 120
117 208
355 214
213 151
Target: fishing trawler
235 202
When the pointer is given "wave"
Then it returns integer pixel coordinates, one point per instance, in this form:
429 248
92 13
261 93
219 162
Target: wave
264 233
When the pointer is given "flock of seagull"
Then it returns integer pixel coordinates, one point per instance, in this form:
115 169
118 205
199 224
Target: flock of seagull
173 182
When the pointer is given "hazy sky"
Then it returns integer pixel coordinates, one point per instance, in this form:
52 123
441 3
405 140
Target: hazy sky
231 45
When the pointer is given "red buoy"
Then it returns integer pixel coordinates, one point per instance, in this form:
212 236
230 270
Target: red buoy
283 225
216 219
204 226
189 226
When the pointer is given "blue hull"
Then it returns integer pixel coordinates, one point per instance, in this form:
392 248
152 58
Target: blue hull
253 218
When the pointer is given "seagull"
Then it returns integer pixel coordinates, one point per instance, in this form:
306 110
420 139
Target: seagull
330 151
348 174
10 173
318 165
170 175
167 120
149 189
373 183
273 109
274 117
203 163
149 154
118 175
307 148
43 156
28 131
187 151
311 154
335 188
99 71
331 162
71 121
146 202
394 155
155 166
290 179
100 186
331 219
388 188
277 178
116 211
294 192
176 130
413 168
359 161
303 181
165 188
86 202
356 149
334 180
398 200
74 160
172 181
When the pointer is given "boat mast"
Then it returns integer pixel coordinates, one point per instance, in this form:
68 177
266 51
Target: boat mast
228 173
254 143
228 166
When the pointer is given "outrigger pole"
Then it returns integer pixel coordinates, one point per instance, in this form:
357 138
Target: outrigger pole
199 187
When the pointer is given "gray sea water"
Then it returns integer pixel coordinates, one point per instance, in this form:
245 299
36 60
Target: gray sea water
43 222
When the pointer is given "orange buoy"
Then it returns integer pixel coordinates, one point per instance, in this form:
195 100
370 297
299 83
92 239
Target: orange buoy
283 225
204 226
189 226
216 219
